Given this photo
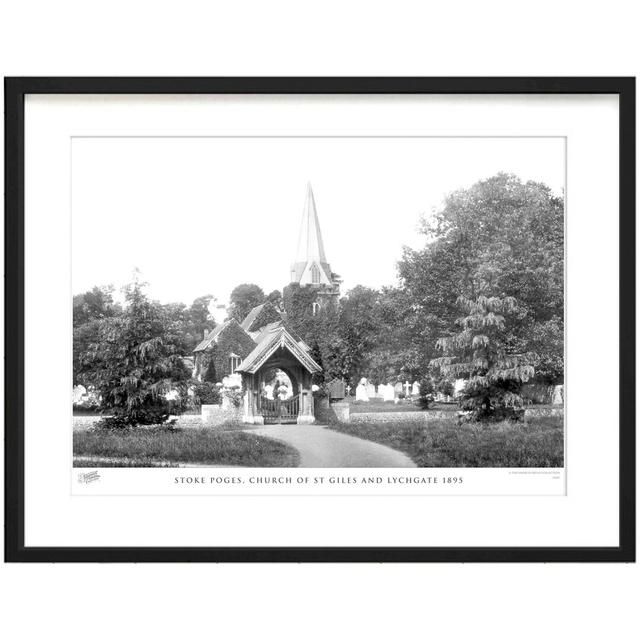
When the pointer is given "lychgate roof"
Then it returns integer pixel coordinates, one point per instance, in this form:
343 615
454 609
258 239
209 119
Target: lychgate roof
274 340
261 334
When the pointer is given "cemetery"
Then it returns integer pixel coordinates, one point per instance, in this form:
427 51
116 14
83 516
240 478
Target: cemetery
451 367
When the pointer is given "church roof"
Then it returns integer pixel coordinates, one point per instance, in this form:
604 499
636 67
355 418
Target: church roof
251 316
215 332
310 245
258 317
272 341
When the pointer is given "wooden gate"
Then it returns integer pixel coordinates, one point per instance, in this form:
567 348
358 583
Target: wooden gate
279 411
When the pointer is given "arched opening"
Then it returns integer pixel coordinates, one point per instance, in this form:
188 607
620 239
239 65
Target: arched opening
277 376
315 274
277 383
279 395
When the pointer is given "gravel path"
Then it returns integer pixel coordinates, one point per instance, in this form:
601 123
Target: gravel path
321 447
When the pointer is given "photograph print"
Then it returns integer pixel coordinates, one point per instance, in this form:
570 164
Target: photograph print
318 302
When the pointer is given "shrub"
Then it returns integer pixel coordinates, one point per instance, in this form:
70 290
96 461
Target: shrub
234 395
89 402
445 387
206 393
137 368
426 393
482 353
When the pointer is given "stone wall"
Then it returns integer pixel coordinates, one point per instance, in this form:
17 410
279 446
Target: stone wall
211 415
536 393
214 415
402 416
330 412
543 412
85 422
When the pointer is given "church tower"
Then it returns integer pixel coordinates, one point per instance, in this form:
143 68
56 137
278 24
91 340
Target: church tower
311 268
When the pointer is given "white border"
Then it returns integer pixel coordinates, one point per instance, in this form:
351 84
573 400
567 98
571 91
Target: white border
587 516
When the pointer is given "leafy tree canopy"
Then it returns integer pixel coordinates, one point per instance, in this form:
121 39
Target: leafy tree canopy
243 298
482 353
136 361
499 238
94 305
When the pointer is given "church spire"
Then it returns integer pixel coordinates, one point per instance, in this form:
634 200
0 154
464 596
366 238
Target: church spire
310 266
310 246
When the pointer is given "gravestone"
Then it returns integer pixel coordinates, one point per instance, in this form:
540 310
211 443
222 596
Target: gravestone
388 393
398 388
558 394
371 391
458 387
361 391
336 389
415 389
79 391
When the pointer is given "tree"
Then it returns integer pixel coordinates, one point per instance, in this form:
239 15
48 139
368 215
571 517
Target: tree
94 304
135 362
193 321
84 337
275 298
499 238
482 353
358 327
243 298
89 310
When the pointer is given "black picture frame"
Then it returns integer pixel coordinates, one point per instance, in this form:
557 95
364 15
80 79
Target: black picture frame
15 91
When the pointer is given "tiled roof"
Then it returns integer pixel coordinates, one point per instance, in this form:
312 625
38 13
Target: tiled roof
251 316
258 336
215 332
269 344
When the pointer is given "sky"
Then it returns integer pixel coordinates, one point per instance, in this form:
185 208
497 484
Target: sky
201 215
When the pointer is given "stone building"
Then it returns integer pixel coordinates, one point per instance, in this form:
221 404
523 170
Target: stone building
264 347
259 349
312 280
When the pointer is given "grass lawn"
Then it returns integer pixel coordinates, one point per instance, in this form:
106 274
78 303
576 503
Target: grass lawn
159 446
443 443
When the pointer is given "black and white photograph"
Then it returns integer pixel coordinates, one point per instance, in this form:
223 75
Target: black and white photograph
318 301
320 320
365 316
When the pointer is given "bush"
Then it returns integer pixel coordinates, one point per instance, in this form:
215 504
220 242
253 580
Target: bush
234 395
445 387
426 393
503 403
206 393
113 422
483 354
89 402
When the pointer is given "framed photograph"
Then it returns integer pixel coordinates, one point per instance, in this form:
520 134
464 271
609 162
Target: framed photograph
320 319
